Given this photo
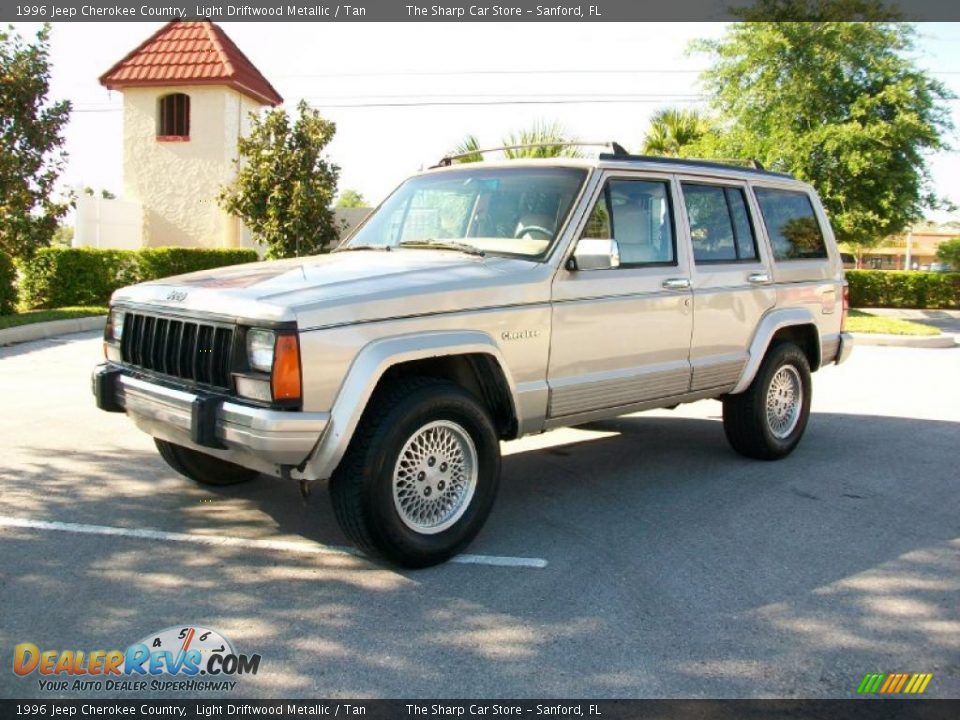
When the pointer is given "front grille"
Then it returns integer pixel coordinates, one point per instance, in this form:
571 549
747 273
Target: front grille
195 351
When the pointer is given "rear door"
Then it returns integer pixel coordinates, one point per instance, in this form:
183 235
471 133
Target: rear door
731 277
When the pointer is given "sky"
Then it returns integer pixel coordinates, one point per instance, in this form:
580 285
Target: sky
599 81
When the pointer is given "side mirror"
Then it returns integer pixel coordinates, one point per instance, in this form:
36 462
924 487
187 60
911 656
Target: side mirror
595 254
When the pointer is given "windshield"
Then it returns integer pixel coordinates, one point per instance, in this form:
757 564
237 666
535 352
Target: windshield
515 211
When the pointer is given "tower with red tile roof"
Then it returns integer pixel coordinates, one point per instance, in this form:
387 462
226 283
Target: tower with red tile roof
188 92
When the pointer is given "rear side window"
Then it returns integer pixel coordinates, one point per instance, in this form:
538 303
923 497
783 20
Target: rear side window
791 224
719 224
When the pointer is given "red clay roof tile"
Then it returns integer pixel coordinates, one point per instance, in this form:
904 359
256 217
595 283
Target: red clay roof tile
190 53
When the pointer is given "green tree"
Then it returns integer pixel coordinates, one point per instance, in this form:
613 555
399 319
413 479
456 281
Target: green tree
31 145
469 149
949 252
62 236
547 138
544 140
351 199
104 193
285 186
839 104
675 132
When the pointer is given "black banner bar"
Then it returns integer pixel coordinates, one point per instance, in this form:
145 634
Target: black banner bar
854 709
452 10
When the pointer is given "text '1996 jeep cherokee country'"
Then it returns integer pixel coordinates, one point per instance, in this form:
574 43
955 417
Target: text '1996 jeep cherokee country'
482 302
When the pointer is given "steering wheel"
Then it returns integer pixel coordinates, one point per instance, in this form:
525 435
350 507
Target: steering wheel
533 228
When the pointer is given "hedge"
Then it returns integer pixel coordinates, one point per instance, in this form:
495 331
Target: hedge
58 277
8 288
903 289
163 262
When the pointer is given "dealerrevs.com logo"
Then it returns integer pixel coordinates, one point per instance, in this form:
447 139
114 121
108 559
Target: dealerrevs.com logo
175 659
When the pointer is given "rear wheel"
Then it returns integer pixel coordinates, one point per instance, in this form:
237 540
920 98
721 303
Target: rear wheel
420 475
204 469
767 421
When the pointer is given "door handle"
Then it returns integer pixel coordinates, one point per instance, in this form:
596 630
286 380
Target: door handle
758 278
676 284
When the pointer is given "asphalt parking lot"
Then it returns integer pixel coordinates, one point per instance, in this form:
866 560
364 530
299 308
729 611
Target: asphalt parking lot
633 558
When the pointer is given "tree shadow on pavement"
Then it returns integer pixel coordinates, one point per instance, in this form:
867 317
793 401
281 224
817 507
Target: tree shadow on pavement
676 569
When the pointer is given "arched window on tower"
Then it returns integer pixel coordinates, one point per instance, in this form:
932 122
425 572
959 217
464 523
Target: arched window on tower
173 117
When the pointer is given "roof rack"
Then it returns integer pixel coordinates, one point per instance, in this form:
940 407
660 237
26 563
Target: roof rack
744 165
617 148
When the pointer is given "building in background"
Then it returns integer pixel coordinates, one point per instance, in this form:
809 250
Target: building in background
914 250
188 92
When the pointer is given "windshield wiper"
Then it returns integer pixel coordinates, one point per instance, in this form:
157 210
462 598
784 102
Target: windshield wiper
443 245
354 248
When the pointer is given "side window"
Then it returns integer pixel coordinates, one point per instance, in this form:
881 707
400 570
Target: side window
719 223
637 214
791 224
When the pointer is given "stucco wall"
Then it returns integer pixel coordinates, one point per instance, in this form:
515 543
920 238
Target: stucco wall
108 223
177 183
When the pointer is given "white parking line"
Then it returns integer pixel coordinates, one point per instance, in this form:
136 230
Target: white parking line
249 543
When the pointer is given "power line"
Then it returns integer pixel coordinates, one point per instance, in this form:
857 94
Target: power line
574 71
448 73
464 103
471 103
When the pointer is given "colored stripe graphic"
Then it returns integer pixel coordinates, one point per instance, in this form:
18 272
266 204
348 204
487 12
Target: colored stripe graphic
870 683
894 683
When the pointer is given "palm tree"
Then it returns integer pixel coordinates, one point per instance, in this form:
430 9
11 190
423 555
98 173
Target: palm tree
673 130
549 139
469 148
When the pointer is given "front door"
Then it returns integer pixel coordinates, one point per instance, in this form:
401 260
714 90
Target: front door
622 336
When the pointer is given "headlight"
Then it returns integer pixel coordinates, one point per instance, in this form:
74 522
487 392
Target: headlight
116 325
260 344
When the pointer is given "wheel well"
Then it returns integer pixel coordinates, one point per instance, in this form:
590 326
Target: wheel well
805 337
477 373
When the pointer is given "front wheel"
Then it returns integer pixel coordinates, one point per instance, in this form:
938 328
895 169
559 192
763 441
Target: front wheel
767 421
420 475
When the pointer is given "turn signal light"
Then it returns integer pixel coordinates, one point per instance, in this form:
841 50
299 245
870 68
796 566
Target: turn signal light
286 368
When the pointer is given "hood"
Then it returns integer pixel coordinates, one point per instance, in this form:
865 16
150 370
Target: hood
347 287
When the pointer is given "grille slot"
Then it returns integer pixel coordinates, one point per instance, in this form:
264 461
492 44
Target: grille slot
181 348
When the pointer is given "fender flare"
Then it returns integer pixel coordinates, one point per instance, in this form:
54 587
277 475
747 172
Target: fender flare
766 329
366 371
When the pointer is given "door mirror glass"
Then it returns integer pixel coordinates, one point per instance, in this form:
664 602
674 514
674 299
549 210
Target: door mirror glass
595 254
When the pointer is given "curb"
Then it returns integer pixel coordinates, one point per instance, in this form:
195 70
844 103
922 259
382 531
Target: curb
53 328
944 340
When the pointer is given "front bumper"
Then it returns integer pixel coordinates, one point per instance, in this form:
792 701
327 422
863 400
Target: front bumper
250 436
846 346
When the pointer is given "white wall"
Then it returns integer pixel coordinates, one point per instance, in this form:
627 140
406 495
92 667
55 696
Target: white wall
108 223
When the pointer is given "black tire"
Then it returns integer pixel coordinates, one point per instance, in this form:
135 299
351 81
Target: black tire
362 487
746 423
204 469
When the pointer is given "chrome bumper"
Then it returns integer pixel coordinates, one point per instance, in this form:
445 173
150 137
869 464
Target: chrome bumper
846 347
250 436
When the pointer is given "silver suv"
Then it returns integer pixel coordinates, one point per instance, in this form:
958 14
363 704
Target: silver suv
479 303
